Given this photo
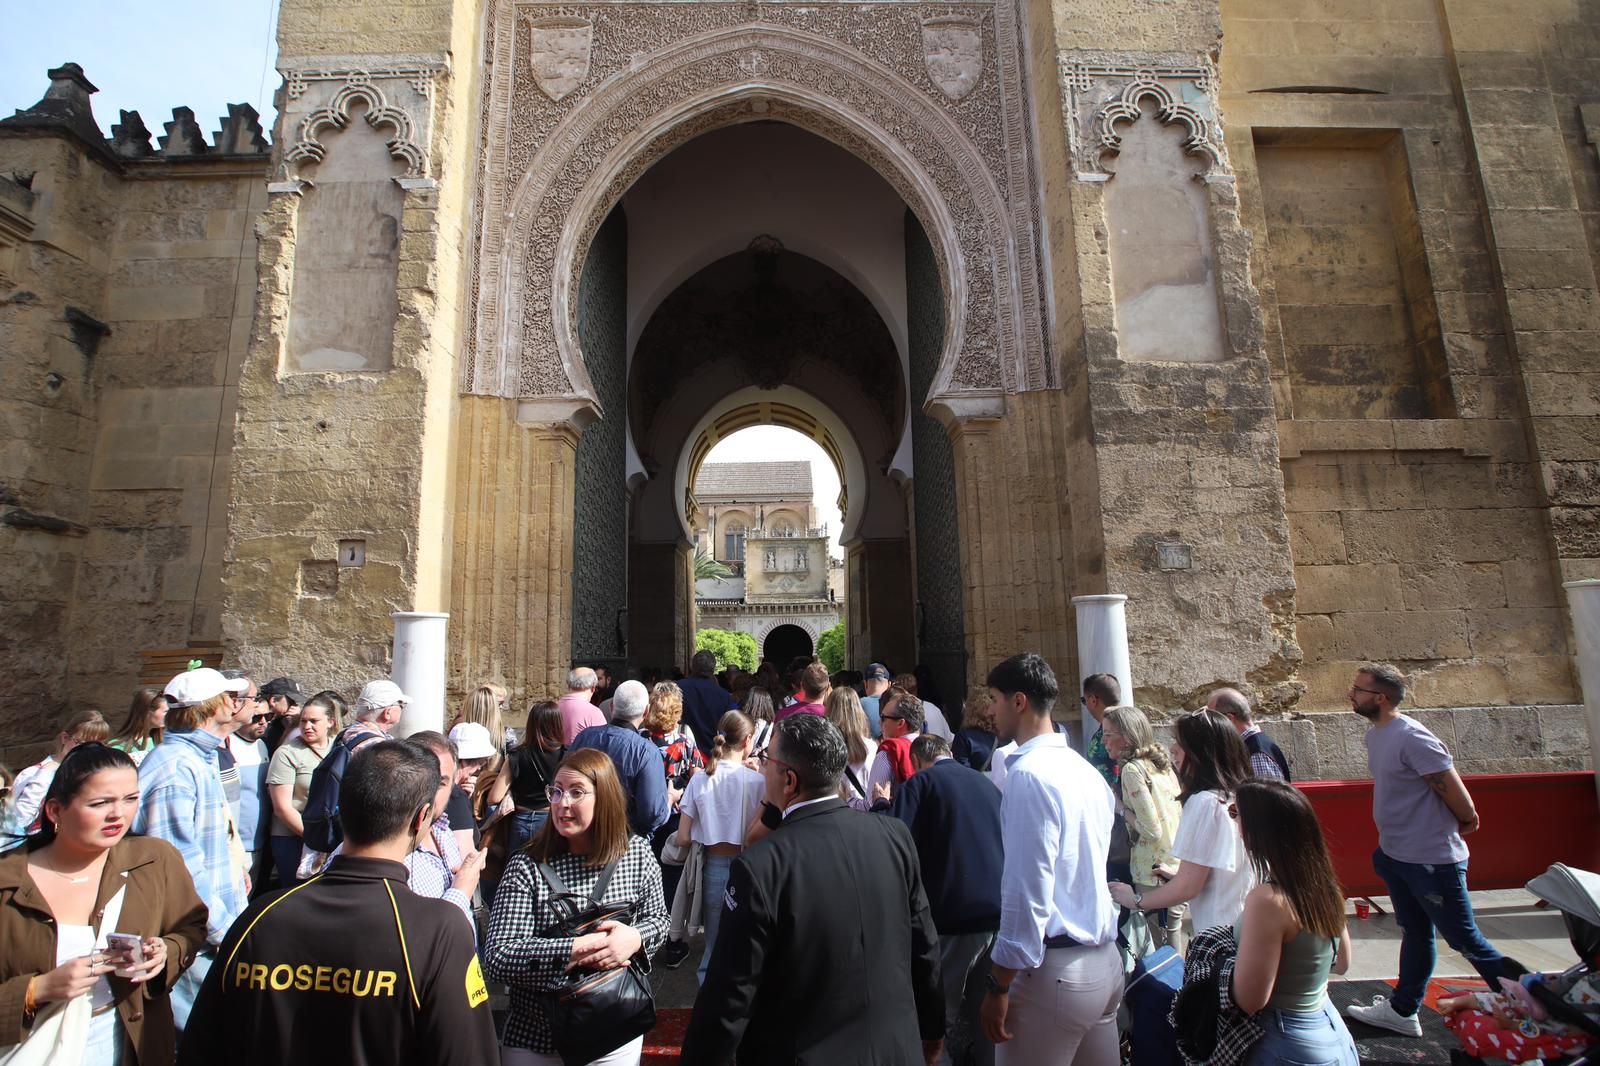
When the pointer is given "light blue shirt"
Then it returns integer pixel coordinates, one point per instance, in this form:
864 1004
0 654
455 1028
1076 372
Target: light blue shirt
1055 816
182 802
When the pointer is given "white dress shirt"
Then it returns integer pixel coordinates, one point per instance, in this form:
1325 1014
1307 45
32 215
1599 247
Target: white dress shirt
1055 814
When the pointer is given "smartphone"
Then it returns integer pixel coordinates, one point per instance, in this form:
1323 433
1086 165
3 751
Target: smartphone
129 945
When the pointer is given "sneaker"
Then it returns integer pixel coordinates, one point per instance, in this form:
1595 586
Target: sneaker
673 954
1383 1015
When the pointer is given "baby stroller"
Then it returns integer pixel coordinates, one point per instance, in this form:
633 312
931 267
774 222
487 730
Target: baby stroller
1568 998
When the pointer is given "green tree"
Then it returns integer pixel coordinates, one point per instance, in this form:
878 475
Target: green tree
731 649
706 566
830 648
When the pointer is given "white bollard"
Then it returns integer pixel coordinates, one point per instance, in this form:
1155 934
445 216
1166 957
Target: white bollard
1102 649
1583 598
419 669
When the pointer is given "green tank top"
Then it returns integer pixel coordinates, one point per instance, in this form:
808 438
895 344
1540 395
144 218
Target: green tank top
1303 970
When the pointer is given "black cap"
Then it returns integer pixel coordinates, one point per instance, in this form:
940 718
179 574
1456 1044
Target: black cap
875 672
285 687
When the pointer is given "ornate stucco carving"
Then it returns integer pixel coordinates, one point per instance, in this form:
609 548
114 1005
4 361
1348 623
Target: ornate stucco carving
553 168
398 98
1106 95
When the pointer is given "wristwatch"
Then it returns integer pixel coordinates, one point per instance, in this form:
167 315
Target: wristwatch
1138 901
995 986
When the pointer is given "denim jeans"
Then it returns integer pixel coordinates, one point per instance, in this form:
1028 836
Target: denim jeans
286 857
187 988
525 825
1428 896
1303 1038
105 1040
714 886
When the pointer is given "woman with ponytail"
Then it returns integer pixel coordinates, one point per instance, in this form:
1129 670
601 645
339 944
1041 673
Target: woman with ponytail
717 809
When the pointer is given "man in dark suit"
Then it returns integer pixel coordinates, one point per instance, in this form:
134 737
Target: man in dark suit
828 953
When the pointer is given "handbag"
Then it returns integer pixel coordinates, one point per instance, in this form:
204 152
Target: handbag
594 1012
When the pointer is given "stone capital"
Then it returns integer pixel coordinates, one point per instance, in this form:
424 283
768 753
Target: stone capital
563 416
965 410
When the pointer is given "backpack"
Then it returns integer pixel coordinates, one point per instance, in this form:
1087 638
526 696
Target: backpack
321 815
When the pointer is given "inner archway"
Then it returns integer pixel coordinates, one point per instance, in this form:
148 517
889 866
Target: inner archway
786 643
840 342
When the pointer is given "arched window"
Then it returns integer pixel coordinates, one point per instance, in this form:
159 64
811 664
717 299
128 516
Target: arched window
783 528
733 543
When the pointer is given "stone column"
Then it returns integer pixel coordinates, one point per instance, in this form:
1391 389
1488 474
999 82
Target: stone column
1012 503
511 564
420 638
1583 598
1102 646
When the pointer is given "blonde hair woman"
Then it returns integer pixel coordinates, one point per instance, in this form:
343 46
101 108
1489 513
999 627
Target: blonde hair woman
975 742
484 707
843 708
1150 805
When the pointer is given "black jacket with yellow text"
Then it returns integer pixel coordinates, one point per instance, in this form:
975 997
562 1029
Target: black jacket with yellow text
349 967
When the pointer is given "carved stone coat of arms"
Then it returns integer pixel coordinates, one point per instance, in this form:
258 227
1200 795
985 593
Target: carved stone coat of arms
559 49
953 50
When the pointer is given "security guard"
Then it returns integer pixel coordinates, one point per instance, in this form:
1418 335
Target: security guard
350 967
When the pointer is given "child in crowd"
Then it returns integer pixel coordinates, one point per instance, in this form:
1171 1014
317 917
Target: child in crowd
1512 1025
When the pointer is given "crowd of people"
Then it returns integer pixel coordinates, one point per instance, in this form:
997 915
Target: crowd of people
256 875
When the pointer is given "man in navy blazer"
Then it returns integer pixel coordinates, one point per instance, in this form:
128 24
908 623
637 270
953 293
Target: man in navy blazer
828 953
953 813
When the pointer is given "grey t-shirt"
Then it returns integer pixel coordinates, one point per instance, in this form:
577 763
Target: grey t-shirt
1414 823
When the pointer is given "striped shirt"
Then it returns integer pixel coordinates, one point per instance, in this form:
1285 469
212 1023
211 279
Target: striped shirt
182 802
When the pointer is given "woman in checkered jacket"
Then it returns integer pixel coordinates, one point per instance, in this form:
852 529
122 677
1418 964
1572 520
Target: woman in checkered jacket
586 833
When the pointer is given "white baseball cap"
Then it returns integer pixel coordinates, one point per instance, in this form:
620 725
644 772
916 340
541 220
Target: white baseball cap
197 686
380 694
472 741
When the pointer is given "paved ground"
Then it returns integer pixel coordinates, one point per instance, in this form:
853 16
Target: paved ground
1508 918
1536 938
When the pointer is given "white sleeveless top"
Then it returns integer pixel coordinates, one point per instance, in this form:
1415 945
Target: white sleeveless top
75 941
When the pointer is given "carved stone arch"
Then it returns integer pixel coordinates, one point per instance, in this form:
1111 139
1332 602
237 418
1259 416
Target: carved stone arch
1127 107
765 627
403 145
531 265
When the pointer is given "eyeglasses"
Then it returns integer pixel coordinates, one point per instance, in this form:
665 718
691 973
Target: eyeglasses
556 794
257 719
891 717
1368 691
765 756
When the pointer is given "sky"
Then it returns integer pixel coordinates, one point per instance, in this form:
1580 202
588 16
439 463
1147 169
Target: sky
761 444
147 56
153 55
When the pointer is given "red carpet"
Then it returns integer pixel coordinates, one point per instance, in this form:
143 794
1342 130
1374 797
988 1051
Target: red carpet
663 1043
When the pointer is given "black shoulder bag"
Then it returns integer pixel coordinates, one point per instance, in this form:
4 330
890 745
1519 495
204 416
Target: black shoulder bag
594 1012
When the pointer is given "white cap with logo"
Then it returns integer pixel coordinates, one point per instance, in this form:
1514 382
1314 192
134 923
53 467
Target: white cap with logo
197 686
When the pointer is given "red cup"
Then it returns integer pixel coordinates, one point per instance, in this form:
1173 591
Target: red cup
1363 909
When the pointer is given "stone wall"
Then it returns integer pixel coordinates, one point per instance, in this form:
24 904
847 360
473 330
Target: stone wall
124 312
1373 144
